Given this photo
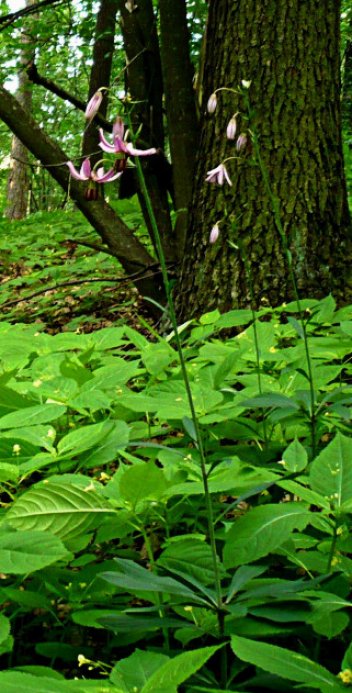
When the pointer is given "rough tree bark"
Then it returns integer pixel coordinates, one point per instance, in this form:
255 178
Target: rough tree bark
18 183
290 52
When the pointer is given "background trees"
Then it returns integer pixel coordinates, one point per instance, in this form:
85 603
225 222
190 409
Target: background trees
294 97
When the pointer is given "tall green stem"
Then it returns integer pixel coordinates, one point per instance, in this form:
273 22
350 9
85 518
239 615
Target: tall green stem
247 268
198 435
277 217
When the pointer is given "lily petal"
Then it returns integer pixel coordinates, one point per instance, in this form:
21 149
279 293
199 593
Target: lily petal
101 177
118 128
139 152
86 168
74 173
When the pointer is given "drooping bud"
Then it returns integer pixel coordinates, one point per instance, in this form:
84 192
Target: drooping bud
214 234
212 103
130 5
93 105
241 142
232 128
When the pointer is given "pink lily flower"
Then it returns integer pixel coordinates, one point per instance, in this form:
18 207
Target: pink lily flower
120 146
86 173
218 175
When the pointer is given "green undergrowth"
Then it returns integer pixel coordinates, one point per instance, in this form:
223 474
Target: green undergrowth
50 276
107 577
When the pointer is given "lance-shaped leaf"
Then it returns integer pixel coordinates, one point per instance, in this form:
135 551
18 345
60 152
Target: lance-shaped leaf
285 663
261 531
134 578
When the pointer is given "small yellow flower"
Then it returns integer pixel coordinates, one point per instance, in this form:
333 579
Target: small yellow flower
82 660
345 676
16 449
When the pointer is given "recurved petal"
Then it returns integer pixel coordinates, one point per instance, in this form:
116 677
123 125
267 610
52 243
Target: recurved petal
108 177
139 152
74 173
104 144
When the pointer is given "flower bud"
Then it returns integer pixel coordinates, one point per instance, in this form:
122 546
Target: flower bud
212 103
246 83
214 234
241 142
93 105
231 128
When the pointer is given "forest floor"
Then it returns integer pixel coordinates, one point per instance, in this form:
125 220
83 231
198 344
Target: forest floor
50 277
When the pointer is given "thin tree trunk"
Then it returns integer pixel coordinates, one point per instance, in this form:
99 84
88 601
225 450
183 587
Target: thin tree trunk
100 75
180 101
144 83
290 52
18 183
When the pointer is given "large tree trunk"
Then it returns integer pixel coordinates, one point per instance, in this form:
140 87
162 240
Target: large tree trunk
19 180
290 52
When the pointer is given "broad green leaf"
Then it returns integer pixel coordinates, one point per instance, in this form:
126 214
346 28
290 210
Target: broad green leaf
274 400
242 576
24 552
261 531
331 624
18 682
8 472
331 471
111 377
84 438
177 670
295 457
157 357
304 493
4 627
142 482
138 622
26 598
10 400
63 509
134 671
133 578
285 663
32 415
40 670
234 318
189 555
91 618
